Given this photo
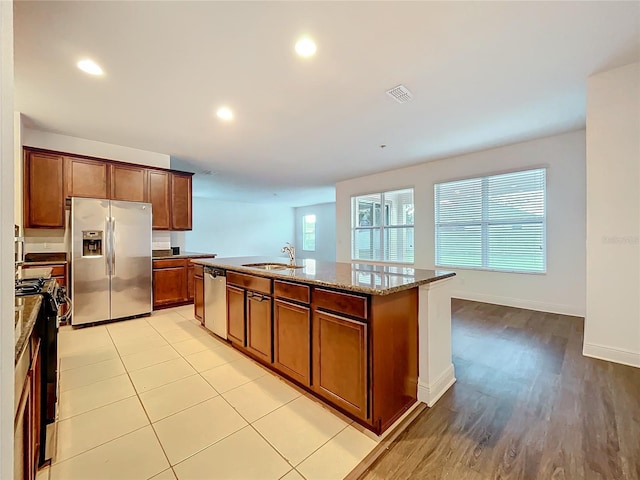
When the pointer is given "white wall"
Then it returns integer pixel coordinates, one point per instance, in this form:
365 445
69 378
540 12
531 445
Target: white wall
612 324
232 229
17 168
325 231
54 240
80 146
6 241
562 288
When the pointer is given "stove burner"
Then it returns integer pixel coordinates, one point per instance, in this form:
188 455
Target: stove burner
29 286
30 281
28 289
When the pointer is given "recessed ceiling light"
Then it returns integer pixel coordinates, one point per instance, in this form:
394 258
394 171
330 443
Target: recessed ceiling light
224 113
305 47
90 67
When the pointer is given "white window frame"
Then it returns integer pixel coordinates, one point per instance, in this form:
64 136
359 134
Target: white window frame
382 227
304 225
486 222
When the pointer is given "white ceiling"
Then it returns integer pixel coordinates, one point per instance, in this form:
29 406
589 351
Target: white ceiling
482 75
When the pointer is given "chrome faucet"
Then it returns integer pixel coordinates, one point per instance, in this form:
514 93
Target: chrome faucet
290 249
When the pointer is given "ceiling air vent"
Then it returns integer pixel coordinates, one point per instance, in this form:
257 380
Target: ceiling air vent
400 94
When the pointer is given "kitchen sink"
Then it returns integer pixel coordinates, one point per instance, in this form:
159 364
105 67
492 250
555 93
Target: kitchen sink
271 266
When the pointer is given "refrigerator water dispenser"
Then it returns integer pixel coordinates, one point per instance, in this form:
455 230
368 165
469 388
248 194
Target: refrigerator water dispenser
92 243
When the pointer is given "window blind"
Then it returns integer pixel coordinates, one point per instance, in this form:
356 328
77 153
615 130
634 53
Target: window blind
494 223
382 226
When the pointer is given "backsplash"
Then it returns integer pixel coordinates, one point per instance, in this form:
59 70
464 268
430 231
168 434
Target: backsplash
58 240
160 240
48 240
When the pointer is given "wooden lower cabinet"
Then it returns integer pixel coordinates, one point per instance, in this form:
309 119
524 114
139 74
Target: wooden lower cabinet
292 340
340 362
236 315
259 333
356 352
191 282
169 286
23 468
198 297
177 281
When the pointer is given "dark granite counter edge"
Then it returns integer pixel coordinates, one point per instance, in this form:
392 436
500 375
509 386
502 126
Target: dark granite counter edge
30 313
185 255
341 286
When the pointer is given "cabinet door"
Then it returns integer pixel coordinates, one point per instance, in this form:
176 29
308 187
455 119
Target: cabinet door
22 441
180 202
340 362
86 178
292 340
259 333
235 315
160 198
43 191
169 286
129 183
198 303
36 402
190 282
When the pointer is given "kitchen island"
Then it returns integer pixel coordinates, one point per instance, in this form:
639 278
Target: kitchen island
369 340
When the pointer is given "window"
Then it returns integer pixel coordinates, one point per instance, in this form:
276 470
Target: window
492 223
382 226
309 233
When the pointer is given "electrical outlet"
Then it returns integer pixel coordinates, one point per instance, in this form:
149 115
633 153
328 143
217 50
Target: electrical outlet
45 246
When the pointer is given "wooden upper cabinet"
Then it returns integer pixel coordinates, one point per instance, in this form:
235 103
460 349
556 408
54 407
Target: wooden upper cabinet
180 201
51 177
129 183
86 178
160 198
43 190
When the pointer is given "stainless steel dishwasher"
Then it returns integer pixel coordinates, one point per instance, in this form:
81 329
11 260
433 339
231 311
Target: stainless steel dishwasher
215 300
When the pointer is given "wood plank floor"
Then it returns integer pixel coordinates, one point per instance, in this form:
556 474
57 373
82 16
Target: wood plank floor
526 405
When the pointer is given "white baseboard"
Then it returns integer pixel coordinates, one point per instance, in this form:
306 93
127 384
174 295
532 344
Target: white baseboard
520 303
430 394
609 354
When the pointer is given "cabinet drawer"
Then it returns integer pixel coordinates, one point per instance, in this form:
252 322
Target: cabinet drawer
257 284
345 303
177 262
198 270
56 270
291 291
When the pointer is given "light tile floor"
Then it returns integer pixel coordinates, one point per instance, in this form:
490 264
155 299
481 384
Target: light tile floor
162 398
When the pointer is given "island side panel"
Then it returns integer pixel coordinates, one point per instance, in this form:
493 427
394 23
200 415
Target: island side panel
435 361
394 355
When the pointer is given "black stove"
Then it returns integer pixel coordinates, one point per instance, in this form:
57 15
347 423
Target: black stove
29 286
48 323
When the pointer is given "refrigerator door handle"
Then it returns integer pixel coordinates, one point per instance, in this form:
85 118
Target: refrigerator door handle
107 246
113 246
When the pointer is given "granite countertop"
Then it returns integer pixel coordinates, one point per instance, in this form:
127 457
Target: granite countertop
26 315
356 277
160 255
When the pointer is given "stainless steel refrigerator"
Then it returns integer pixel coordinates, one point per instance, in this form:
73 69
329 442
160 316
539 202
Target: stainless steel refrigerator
110 260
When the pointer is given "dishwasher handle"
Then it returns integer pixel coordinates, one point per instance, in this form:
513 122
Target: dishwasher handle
215 272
